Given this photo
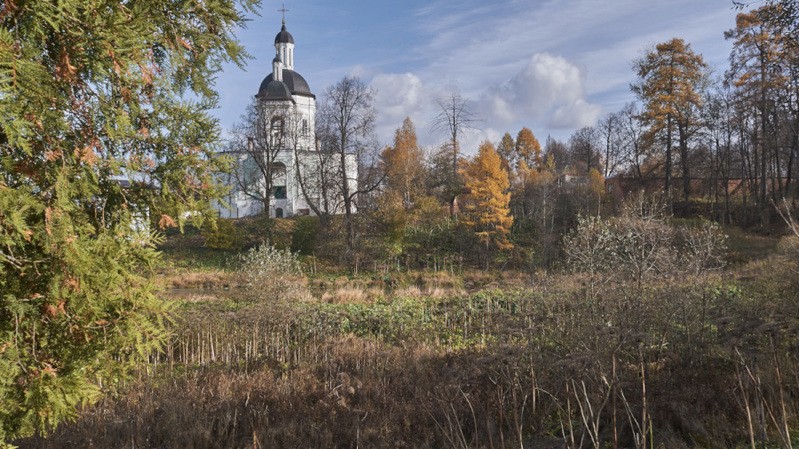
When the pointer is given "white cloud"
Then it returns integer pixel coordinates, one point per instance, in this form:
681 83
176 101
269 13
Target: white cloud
547 92
361 71
549 89
501 109
399 95
575 115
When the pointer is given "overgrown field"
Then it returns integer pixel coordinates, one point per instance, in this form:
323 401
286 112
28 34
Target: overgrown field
471 360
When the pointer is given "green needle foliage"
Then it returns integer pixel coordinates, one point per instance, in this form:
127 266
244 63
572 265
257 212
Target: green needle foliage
92 92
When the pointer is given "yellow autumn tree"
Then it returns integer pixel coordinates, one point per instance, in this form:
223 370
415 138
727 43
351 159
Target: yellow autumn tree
528 149
670 83
757 72
507 152
487 212
596 186
404 166
404 180
526 174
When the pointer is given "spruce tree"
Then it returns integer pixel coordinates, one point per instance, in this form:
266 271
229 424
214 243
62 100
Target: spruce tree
104 127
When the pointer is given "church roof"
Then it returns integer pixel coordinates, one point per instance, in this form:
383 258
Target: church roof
295 82
274 91
284 37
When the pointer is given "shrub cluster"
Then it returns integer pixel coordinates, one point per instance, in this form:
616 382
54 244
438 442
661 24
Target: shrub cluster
271 275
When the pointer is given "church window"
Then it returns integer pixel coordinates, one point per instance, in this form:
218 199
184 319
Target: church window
279 181
278 213
277 126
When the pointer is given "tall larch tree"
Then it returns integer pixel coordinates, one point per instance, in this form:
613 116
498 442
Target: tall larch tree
404 165
507 151
784 16
671 77
528 149
757 73
488 211
105 123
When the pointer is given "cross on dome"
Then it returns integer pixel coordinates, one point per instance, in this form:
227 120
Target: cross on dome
284 11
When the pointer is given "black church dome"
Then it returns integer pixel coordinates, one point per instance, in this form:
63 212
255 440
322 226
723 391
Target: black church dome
295 82
274 91
284 37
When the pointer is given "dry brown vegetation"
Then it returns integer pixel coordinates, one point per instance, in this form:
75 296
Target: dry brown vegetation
194 279
655 348
686 362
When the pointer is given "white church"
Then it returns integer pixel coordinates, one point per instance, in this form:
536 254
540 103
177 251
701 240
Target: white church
304 176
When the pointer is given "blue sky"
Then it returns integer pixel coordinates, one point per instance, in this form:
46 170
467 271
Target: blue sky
551 65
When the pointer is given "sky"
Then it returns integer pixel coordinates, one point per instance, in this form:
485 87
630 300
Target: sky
553 66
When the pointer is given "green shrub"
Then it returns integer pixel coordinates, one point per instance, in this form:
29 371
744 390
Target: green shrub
303 238
271 274
222 234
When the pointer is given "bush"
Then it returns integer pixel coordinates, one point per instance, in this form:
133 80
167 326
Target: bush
303 238
271 274
222 234
642 244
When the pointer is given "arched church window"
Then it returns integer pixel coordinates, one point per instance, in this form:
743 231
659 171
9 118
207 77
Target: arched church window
278 213
279 192
279 181
279 174
305 126
276 126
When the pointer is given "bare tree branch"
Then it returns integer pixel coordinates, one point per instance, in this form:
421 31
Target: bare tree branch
346 122
265 130
454 117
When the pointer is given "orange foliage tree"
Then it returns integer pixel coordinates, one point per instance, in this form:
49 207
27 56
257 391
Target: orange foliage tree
758 73
404 165
507 152
527 148
487 210
596 186
670 80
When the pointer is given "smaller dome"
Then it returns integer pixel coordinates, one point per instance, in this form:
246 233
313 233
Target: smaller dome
284 37
275 91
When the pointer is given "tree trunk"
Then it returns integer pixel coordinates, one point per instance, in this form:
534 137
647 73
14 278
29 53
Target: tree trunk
686 166
763 133
345 190
453 210
791 160
667 186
